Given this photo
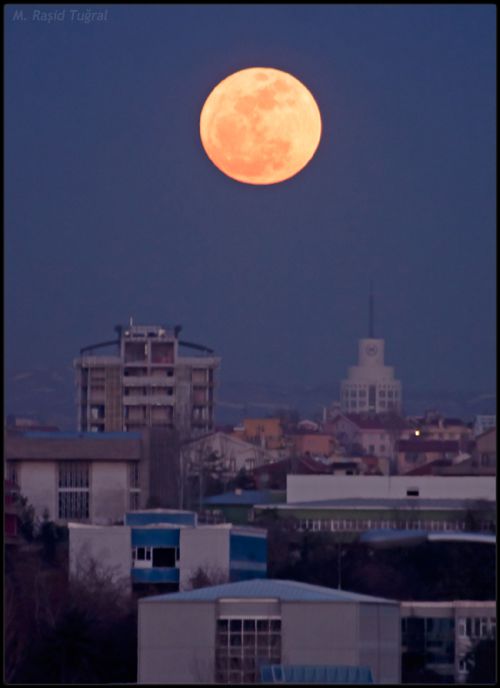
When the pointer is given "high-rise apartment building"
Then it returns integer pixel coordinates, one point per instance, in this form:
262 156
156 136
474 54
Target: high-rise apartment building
148 383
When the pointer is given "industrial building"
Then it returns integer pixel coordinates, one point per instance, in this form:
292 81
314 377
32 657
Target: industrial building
354 504
229 633
148 383
95 477
89 477
166 549
444 632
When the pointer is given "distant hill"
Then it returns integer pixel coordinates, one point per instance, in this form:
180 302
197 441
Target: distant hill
48 395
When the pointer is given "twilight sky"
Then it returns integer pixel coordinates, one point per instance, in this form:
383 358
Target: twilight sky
112 208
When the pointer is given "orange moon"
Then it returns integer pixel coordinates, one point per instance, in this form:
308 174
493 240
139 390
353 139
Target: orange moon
260 126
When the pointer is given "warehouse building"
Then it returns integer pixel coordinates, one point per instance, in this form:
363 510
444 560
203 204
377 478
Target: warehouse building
229 633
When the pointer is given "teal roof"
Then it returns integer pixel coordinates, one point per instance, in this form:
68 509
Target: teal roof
244 498
258 588
303 673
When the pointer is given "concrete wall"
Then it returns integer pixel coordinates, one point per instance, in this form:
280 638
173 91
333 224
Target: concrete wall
380 641
176 642
305 488
319 633
108 546
109 490
38 482
206 548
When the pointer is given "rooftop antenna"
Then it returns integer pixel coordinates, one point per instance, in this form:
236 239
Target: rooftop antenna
371 318
131 322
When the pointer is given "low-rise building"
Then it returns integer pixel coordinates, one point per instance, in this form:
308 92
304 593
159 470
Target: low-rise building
234 454
264 432
353 504
444 632
307 488
415 452
237 506
167 548
372 434
89 477
227 633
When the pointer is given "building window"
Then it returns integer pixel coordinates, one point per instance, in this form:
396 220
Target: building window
242 645
141 554
73 505
73 494
412 492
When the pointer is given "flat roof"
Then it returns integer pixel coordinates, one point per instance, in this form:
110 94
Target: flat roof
362 503
265 588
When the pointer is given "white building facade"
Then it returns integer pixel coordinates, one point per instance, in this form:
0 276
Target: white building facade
370 386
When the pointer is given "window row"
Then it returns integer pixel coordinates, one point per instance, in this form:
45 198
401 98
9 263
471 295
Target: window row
74 474
73 505
369 524
155 557
476 627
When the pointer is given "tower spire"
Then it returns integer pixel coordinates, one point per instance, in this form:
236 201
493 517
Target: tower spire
371 316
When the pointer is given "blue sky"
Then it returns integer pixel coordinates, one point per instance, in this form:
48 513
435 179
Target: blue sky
112 208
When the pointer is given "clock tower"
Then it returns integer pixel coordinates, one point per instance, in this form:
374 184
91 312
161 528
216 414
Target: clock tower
370 386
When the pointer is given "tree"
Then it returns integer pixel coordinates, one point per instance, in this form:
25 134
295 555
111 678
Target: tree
27 525
481 662
205 576
82 630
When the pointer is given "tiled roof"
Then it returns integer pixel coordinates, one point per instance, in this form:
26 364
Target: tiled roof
376 422
258 588
430 467
417 445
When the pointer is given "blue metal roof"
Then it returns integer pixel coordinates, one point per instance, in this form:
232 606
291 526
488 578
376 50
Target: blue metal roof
246 497
300 673
401 538
286 590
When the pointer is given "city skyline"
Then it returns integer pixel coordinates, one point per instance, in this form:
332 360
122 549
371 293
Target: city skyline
113 209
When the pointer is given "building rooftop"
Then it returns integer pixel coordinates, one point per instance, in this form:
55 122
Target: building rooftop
246 497
374 422
265 588
381 503
89 446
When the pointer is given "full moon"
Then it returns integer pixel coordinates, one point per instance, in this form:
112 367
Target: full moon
260 126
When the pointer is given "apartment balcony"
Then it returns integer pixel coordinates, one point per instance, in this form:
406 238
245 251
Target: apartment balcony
149 400
149 381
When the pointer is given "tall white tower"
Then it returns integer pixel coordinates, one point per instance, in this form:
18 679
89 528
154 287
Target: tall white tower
371 386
